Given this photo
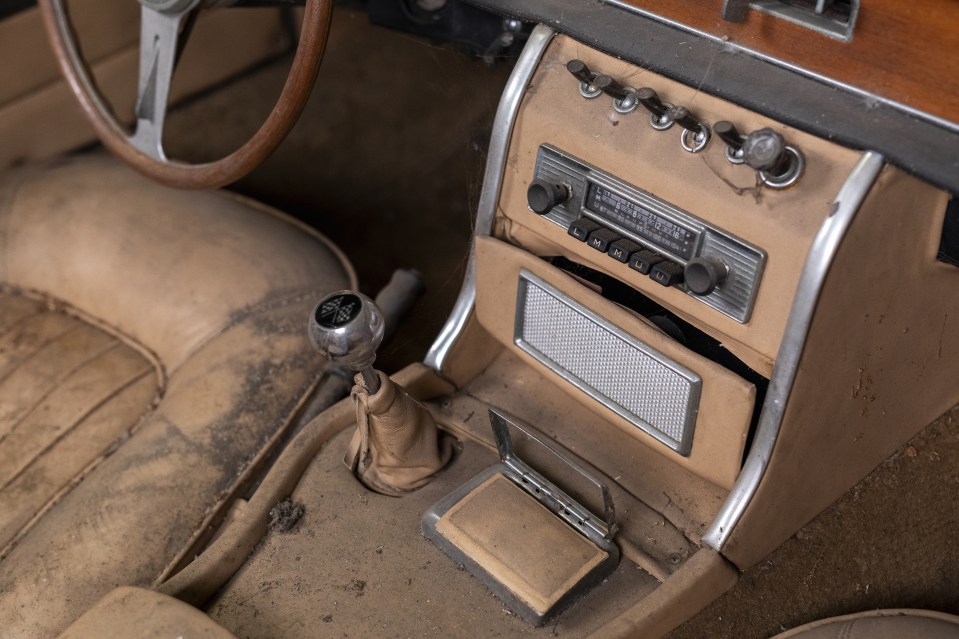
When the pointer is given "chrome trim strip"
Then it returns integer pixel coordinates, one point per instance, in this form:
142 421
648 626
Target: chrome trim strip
818 262
869 98
492 182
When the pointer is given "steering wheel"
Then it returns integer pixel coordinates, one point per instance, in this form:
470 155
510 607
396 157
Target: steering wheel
160 25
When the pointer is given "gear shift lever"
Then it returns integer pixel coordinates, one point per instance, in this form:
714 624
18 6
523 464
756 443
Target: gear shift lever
347 328
397 447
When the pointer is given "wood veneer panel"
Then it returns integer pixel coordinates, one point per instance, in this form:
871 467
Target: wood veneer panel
904 51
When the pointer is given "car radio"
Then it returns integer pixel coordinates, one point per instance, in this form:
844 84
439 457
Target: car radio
652 236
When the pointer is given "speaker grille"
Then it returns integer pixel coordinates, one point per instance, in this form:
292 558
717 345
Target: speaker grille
653 392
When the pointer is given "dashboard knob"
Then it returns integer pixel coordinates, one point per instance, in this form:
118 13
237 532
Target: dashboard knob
703 275
765 150
543 196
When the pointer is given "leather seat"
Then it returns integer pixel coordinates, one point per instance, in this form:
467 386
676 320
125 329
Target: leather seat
880 624
153 349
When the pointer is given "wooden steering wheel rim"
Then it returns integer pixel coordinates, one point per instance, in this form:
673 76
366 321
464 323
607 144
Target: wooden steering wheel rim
292 100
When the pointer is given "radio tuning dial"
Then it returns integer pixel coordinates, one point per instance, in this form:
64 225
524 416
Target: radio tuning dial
543 196
703 275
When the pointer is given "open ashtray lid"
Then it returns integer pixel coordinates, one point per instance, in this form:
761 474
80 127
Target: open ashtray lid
533 545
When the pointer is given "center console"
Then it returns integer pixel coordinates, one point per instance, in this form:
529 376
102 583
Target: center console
704 282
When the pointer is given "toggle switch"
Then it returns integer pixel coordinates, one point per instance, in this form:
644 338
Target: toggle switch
734 140
658 110
681 116
695 133
581 72
625 97
729 134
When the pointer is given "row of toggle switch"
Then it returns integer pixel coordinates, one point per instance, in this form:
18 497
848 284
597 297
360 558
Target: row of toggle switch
701 275
662 115
778 164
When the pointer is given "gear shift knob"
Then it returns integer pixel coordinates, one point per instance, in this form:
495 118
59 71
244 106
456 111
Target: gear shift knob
346 328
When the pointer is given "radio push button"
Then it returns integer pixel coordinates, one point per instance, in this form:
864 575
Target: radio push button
581 228
644 261
601 238
621 250
667 273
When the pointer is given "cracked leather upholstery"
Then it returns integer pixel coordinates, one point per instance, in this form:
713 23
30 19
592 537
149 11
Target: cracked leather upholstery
152 349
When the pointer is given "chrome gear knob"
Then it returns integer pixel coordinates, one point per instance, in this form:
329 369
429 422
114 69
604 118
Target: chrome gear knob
346 328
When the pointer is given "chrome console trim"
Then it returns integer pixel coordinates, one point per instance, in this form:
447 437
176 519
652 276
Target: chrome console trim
492 182
818 262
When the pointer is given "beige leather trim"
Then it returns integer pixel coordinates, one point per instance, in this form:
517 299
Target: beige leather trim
68 196
878 365
727 400
145 614
69 395
333 248
219 293
540 566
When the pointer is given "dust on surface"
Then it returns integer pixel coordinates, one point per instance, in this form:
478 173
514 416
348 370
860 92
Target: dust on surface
887 543
284 516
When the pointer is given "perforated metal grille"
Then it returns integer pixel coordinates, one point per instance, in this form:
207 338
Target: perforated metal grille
655 393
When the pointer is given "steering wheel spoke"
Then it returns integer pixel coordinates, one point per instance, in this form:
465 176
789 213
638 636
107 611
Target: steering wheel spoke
161 24
159 35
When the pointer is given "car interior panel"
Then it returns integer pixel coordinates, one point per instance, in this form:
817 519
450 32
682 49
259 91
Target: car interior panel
631 318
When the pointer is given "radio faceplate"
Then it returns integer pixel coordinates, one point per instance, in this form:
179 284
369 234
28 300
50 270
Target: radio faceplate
602 209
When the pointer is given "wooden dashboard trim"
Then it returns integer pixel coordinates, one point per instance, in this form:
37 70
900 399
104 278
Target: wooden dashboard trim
903 51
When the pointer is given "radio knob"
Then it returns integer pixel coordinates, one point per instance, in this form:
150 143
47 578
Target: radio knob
703 275
543 196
